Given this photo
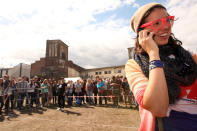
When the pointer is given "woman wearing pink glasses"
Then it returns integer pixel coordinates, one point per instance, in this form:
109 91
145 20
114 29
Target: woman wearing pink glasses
162 74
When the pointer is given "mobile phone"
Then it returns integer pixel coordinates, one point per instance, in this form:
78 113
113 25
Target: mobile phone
143 29
147 33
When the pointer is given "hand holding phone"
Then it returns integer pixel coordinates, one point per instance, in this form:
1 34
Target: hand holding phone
147 42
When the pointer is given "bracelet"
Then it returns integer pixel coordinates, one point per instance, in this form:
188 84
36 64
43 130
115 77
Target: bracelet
155 64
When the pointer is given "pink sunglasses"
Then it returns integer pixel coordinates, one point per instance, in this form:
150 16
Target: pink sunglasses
158 24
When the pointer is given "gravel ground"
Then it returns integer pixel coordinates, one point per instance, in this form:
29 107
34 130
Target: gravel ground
83 118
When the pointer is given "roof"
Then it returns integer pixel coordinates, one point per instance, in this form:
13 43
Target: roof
77 67
106 67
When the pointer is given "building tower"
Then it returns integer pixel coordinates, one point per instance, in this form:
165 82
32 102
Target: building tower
56 60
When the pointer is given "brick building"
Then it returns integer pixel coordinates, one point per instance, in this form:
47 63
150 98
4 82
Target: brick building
55 64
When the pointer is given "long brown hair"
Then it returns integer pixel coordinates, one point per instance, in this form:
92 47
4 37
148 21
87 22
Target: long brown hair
172 39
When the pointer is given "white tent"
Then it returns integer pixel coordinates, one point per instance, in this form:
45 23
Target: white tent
74 79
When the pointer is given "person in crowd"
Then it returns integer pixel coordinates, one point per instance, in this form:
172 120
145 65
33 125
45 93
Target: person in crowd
54 91
41 79
95 91
31 92
44 91
100 90
61 89
105 89
1 95
74 94
7 97
69 92
60 93
84 92
50 93
12 93
6 81
89 90
109 90
26 93
119 81
78 91
126 91
37 90
162 74
115 85
21 89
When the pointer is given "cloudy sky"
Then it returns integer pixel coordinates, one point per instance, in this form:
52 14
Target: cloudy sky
97 32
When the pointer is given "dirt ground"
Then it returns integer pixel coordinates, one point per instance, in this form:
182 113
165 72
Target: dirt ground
75 118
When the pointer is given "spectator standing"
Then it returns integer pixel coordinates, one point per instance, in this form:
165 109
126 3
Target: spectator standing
115 84
69 92
50 92
61 89
6 82
37 90
100 90
1 95
95 91
84 91
126 91
78 90
54 91
21 88
105 85
89 90
44 91
31 92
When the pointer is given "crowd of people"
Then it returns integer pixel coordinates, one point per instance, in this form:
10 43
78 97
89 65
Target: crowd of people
24 93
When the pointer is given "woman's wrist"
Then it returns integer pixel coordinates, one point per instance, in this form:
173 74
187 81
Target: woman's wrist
153 56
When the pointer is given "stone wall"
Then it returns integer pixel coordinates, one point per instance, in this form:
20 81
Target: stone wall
37 67
72 72
17 71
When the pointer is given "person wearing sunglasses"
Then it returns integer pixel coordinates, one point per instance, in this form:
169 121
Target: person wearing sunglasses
162 74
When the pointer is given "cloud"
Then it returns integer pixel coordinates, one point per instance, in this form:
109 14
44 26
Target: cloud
135 5
106 46
129 2
185 28
172 3
26 25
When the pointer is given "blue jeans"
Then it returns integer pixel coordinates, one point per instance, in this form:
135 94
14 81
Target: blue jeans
179 121
89 94
70 98
20 100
